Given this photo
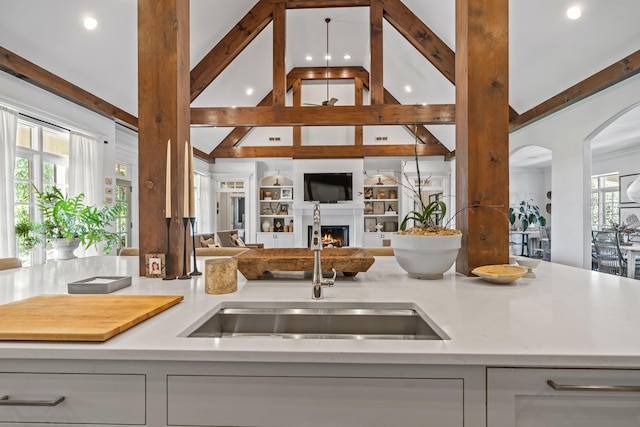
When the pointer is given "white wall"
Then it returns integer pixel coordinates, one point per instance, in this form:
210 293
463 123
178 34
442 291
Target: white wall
564 133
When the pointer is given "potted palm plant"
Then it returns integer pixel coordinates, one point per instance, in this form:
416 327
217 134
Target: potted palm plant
67 222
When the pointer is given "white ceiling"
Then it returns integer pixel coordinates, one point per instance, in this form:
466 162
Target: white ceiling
548 52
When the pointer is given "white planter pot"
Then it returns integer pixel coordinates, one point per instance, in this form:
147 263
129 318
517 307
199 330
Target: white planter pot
64 248
426 257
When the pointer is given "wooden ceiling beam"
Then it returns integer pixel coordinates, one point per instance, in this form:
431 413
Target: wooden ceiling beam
333 73
332 151
627 67
230 46
279 50
25 70
422 132
320 4
376 91
348 115
421 37
424 40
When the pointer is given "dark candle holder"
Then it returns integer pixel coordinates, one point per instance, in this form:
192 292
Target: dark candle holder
195 271
184 276
168 275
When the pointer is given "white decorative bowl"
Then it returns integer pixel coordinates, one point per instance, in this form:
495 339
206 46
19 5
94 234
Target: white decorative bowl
501 274
426 257
529 263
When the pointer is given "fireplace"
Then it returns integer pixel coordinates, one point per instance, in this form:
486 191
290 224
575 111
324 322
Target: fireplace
335 236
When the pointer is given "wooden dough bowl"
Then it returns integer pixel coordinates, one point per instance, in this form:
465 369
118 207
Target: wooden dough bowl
348 261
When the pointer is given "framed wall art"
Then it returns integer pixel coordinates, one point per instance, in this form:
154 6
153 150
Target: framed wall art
369 224
155 265
286 194
630 216
625 182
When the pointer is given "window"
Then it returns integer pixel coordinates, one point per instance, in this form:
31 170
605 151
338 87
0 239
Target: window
42 160
605 196
123 221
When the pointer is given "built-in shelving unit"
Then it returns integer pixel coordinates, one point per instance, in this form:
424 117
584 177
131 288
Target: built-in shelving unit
276 212
381 207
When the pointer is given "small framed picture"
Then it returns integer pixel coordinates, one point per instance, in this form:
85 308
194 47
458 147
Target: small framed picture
108 181
630 216
625 182
108 190
278 224
286 193
155 265
378 208
284 209
370 224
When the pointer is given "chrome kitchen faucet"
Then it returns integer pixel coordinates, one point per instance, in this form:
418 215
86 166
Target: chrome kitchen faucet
318 282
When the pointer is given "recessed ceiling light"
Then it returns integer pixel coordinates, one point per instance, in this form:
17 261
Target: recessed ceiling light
327 57
233 106
574 12
90 23
407 88
347 56
308 58
249 90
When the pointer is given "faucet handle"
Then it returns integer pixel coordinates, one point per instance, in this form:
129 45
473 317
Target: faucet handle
331 281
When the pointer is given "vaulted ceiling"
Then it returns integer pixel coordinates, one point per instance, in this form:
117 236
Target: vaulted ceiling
548 52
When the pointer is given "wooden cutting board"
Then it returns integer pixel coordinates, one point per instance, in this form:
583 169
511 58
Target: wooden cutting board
81 317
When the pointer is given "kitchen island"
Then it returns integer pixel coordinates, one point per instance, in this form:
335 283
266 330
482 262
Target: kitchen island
567 325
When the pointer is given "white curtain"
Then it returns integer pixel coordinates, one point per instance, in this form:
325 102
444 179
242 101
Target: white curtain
207 210
86 174
8 135
85 168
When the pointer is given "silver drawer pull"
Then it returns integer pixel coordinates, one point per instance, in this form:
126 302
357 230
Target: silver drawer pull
618 388
5 401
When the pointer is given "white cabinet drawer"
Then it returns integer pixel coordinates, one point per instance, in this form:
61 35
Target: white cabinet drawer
522 397
313 401
88 398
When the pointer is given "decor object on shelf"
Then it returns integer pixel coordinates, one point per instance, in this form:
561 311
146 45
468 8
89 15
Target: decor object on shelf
66 218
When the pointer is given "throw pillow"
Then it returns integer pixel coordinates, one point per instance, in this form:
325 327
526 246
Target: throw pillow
215 245
206 242
234 239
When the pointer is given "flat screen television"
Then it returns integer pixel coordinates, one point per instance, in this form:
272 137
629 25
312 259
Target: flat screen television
328 187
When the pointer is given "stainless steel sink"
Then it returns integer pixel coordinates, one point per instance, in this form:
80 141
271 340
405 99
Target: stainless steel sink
309 320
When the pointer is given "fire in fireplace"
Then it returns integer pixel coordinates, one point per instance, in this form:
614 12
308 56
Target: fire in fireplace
333 236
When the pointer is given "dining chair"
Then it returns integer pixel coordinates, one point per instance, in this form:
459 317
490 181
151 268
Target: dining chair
608 254
545 243
7 263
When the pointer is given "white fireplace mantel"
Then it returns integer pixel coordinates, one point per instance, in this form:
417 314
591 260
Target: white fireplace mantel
343 213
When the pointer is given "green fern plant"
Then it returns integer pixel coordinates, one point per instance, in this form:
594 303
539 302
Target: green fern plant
65 217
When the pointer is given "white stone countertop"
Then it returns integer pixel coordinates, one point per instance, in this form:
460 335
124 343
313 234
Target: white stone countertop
565 317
